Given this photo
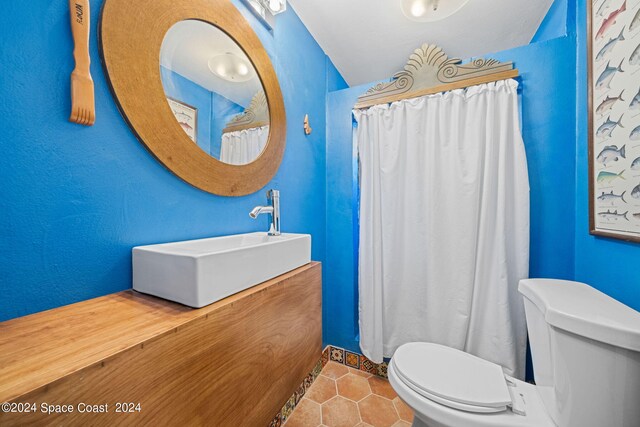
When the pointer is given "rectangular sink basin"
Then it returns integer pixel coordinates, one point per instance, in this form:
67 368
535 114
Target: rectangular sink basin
200 272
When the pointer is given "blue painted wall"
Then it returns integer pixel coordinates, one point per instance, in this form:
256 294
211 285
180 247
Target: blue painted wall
222 111
612 266
184 90
74 200
335 81
554 24
340 298
548 106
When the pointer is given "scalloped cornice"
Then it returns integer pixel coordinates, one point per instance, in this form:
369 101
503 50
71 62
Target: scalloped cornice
429 70
256 115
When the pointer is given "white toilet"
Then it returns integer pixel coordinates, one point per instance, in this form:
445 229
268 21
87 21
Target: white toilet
586 358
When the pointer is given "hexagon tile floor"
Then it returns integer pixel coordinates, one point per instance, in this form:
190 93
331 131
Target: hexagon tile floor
345 397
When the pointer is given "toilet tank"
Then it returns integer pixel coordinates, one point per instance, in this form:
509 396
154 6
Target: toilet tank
586 353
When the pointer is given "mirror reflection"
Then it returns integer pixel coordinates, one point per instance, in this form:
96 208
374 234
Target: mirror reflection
214 92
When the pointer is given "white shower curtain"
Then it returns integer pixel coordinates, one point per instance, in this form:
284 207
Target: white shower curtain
243 146
444 224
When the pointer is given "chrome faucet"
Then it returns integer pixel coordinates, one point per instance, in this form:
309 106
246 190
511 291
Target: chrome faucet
273 198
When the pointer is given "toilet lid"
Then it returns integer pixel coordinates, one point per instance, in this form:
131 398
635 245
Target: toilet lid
452 377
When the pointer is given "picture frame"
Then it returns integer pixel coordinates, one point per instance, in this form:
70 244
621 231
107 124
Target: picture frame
613 55
187 117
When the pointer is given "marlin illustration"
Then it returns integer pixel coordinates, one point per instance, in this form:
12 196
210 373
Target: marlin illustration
606 105
608 47
185 126
605 177
611 197
613 216
605 129
635 22
611 153
635 56
603 7
181 116
635 134
635 193
635 102
607 75
608 23
635 165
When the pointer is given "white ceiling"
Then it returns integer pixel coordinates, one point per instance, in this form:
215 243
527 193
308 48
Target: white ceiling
370 40
186 50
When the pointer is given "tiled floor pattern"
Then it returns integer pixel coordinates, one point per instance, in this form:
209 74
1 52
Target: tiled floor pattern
346 397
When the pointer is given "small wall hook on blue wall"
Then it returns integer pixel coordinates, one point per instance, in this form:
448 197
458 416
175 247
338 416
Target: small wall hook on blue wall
307 128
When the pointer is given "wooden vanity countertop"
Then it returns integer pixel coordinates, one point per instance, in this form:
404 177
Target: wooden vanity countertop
41 348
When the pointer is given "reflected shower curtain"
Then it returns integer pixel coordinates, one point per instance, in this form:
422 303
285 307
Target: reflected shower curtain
444 224
243 146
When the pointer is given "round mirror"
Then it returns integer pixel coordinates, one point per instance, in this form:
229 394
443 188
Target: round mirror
198 89
214 92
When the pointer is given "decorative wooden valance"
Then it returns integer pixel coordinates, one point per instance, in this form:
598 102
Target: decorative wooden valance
256 115
429 70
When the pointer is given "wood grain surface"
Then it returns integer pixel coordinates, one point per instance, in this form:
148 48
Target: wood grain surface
83 108
503 75
232 363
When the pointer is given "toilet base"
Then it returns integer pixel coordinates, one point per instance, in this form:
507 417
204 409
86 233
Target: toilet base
417 422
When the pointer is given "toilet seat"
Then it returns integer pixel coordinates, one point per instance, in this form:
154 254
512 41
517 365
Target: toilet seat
452 377
431 413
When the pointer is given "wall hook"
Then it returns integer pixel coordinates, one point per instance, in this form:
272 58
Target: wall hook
307 128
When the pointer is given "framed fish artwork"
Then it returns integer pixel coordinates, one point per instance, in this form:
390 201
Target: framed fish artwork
614 118
187 117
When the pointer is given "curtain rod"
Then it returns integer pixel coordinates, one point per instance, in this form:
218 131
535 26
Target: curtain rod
429 70
247 126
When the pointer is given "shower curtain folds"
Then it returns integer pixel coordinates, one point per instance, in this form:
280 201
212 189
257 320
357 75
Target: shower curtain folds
444 224
243 146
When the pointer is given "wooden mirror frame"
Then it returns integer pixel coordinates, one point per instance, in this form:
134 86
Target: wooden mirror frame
131 35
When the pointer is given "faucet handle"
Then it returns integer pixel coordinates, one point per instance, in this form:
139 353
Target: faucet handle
273 196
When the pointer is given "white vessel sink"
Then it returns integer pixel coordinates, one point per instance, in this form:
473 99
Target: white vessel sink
200 272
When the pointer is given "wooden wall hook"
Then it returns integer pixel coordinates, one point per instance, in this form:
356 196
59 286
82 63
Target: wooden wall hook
307 128
83 110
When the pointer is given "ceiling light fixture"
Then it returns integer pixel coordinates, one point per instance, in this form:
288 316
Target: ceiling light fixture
266 10
277 6
259 8
231 67
273 6
430 10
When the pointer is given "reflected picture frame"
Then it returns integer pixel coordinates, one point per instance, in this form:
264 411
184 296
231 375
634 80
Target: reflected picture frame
187 117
